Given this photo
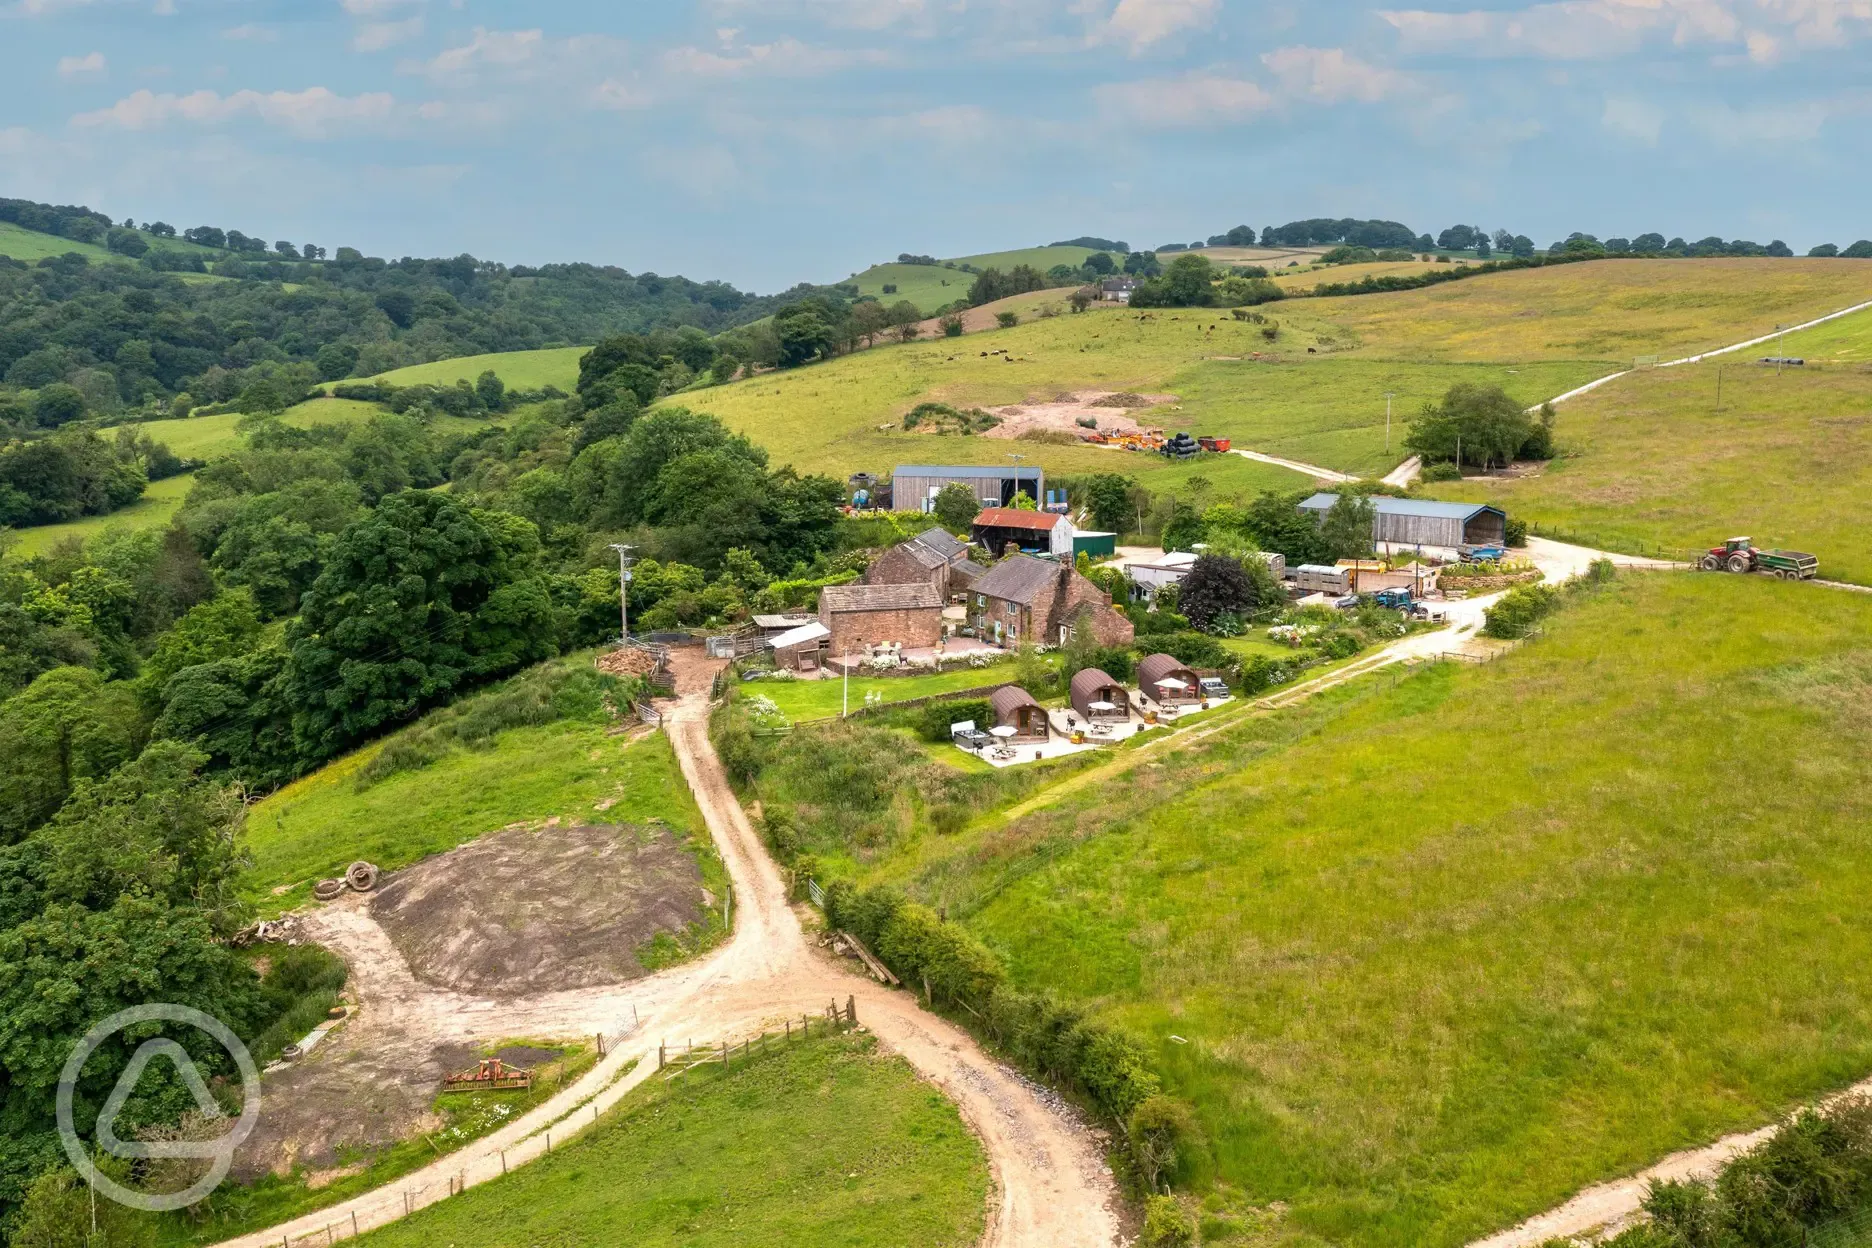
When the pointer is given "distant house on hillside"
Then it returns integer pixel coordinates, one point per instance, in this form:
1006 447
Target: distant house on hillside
1118 289
932 557
1032 532
1027 599
915 486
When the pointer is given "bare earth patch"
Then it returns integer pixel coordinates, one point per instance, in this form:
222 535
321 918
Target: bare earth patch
1115 411
526 911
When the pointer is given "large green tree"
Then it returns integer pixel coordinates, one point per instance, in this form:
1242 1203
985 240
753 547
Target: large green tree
408 608
67 726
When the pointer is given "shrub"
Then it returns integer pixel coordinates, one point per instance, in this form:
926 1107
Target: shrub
1339 645
1195 649
1261 673
952 325
1516 532
1519 611
1007 320
1442 472
1166 1224
933 720
1164 1137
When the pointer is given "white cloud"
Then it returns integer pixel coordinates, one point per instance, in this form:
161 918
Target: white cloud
1634 119
376 36
312 113
786 57
841 14
484 49
1330 75
251 32
1142 23
618 96
376 9
1604 29
85 66
1195 99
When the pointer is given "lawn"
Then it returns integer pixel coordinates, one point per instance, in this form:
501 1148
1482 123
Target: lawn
521 370
1446 947
1786 461
312 828
820 699
826 1142
159 502
927 286
1613 310
844 415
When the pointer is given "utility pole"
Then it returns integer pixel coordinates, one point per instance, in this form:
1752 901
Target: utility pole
1780 348
624 562
1017 477
1389 394
1719 369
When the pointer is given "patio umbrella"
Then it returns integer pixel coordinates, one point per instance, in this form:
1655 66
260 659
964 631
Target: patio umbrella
1002 730
1171 682
1101 706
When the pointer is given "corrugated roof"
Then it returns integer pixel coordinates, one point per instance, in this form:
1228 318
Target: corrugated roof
1010 518
842 598
971 471
801 635
1017 579
1425 507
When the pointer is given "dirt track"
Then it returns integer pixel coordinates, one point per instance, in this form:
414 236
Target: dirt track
1053 1186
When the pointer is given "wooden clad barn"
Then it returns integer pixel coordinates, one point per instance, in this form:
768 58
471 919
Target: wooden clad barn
914 486
1015 708
1155 671
1091 686
1424 522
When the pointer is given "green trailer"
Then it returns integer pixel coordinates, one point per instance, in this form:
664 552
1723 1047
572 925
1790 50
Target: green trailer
1740 554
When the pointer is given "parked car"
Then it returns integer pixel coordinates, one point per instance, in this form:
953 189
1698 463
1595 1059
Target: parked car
1418 611
1213 687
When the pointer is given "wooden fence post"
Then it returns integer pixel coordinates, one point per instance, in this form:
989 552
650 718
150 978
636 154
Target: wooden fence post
724 1054
851 1010
354 1230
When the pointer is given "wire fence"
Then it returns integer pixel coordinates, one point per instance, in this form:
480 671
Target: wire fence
1852 1231
673 1062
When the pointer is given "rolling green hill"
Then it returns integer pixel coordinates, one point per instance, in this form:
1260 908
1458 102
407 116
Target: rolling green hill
1437 952
30 245
932 286
521 370
159 502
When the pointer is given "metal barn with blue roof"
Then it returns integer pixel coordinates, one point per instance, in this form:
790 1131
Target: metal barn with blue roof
1425 522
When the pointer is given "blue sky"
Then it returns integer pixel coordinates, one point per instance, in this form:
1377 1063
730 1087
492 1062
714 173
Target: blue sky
771 141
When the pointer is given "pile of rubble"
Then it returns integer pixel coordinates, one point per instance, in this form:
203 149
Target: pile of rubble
627 661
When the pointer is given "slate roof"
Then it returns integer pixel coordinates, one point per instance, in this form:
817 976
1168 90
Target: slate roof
1017 579
838 599
941 541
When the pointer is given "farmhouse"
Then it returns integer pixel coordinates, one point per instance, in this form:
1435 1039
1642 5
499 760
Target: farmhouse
1034 532
1097 697
1118 289
915 486
1028 599
1165 681
932 557
1424 522
856 616
1015 708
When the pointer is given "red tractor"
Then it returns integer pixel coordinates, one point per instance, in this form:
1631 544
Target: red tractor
1741 555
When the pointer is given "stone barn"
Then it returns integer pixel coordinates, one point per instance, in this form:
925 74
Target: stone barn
856 616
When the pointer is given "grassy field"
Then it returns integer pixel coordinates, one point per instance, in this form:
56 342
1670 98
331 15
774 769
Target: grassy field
1786 461
817 699
927 286
31 245
1327 409
1302 281
203 437
521 370
827 1142
312 828
1847 340
1608 310
159 502
1445 950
